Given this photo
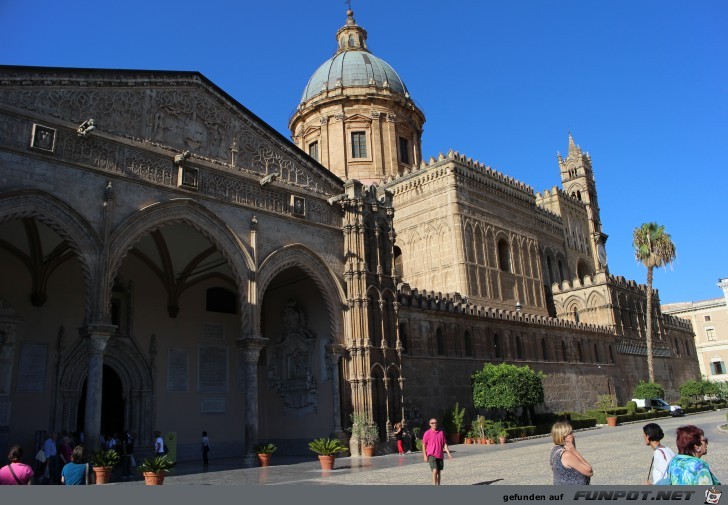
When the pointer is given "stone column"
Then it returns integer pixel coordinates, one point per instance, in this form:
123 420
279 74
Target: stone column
333 354
8 328
250 348
97 336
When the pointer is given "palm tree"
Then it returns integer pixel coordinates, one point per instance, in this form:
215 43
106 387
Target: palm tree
653 248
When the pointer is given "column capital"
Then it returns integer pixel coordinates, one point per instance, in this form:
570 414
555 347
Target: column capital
250 347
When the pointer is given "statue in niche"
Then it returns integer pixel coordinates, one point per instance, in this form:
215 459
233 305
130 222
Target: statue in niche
291 369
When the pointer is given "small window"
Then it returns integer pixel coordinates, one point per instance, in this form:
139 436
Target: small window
707 318
313 150
404 151
440 343
358 145
496 346
544 349
580 352
504 256
564 354
717 367
468 344
403 337
710 333
221 300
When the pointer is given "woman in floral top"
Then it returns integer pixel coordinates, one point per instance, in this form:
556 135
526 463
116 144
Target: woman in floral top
687 469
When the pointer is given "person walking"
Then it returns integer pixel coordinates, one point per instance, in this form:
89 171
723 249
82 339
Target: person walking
567 464
661 456
434 447
16 473
158 443
205 447
50 470
127 455
687 469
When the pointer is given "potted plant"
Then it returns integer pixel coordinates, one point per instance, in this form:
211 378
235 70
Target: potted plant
480 425
604 403
155 469
503 436
366 432
327 449
471 435
454 421
103 462
494 431
264 452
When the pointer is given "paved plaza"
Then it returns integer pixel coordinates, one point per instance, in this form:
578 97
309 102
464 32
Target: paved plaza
618 456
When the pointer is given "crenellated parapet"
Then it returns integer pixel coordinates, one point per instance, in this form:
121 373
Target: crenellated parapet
454 303
464 166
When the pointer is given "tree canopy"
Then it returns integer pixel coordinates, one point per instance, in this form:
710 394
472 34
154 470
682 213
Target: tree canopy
507 387
646 390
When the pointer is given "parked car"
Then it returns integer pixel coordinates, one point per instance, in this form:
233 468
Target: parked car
659 404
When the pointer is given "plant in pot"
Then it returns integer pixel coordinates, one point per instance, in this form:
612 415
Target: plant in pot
264 452
454 421
155 469
471 435
503 436
494 431
103 462
327 449
481 424
604 403
366 431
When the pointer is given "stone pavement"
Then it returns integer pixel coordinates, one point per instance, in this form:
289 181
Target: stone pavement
618 456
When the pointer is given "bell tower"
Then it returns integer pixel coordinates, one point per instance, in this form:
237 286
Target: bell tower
577 179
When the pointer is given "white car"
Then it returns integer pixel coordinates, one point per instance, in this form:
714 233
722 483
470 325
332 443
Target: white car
660 404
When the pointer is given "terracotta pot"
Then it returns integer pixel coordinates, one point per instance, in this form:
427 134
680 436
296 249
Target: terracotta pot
612 421
483 440
367 452
469 440
154 478
103 474
327 462
502 440
491 441
264 459
452 438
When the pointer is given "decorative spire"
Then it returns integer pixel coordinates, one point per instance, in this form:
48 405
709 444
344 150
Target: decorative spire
573 148
351 37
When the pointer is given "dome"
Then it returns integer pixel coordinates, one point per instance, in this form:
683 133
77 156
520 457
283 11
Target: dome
353 68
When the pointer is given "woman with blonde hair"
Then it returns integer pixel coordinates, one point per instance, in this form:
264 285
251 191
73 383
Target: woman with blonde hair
567 464
398 434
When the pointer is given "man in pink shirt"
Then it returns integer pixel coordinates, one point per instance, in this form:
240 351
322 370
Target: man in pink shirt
433 445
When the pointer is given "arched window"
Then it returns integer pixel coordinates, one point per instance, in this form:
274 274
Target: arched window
468 344
580 352
611 355
549 269
582 270
403 337
220 300
398 260
351 41
440 342
596 353
496 346
561 271
544 349
504 256
687 348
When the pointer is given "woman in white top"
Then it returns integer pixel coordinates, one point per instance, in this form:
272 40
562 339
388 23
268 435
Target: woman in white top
661 456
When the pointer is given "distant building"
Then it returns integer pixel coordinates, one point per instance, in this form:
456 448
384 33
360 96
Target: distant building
710 323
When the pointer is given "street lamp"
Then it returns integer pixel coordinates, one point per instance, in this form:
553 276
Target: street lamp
519 307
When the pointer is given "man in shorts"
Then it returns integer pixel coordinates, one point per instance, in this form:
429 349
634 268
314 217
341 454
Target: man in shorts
434 446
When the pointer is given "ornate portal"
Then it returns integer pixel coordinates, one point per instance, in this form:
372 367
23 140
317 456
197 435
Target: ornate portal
291 369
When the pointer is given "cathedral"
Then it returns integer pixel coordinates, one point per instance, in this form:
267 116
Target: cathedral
171 262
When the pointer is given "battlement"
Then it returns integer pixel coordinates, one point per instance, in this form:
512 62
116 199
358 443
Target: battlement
576 283
456 304
466 162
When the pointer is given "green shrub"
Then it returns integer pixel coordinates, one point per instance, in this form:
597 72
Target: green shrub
648 390
631 407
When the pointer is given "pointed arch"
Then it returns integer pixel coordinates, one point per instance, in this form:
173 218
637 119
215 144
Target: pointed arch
298 255
67 223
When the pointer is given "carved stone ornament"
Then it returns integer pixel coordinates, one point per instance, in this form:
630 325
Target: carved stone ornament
291 368
43 138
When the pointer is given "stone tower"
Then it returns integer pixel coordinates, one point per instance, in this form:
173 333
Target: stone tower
577 179
356 116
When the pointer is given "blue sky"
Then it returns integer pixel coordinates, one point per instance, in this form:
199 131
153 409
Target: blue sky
642 86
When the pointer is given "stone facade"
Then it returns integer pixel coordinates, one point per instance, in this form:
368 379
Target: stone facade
165 252
709 318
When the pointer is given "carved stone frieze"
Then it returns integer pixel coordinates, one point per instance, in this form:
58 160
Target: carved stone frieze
181 113
291 369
